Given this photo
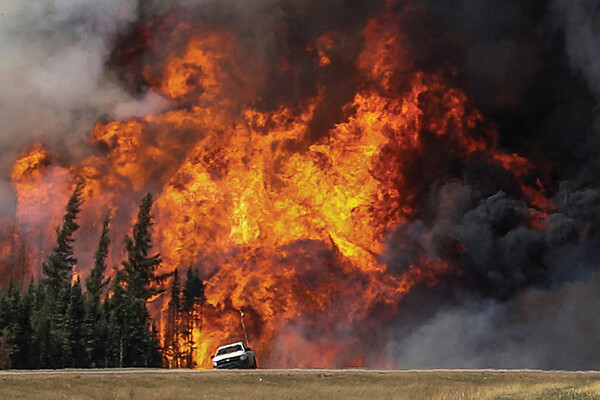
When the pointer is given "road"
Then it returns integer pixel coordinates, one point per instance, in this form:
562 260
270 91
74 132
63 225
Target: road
285 371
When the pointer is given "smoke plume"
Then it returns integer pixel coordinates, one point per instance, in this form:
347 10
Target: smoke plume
527 296
427 168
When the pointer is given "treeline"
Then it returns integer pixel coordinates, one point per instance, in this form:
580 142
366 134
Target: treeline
58 323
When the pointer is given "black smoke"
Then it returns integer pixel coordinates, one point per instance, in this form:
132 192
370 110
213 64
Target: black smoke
527 283
531 66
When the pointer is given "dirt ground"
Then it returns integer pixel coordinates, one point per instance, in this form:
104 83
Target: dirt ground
299 384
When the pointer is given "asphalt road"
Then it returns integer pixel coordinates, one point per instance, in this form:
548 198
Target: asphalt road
142 371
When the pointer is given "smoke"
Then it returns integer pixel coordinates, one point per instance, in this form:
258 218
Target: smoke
529 67
53 80
581 22
525 294
519 287
540 329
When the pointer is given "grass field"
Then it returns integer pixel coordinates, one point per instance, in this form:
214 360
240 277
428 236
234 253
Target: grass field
300 384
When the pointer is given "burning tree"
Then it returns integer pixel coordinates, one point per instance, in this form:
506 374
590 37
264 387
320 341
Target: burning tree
191 321
172 332
183 334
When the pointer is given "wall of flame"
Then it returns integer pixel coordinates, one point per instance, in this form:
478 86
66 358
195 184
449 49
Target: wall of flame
287 226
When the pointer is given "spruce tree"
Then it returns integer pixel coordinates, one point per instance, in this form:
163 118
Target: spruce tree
140 267
116 310
74 331
8 303
45 345
193 290
26 357
137 346
58 267
6 349
96 282
14 322
95 321
7 318
193 302
50 316
104 360
173 334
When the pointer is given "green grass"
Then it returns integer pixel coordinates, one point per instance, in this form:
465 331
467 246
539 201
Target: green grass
303 384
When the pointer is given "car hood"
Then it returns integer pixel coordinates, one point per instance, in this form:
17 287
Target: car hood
228 355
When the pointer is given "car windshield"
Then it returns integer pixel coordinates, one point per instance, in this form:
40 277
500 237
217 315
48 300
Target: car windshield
230 349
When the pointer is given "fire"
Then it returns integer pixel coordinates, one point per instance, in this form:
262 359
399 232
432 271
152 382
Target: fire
286 228
42 190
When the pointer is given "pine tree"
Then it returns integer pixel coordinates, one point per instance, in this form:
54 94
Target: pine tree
74 331
49 317
45 346
6 336
193 302
173 334
96 283
26 357
6 349
95 321
59 350
59 265
140 267
8 298
116 311
13 311
104 360
135 342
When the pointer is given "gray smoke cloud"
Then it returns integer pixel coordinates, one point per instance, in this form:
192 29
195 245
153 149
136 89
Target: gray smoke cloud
532 66
524 298
580 20
527 293
541 329
53 80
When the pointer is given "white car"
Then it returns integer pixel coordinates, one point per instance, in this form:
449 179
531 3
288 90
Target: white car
234 355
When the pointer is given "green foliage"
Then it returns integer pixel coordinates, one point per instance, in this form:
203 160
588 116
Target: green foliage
116 312
74 329
140 267
59 265
53 312
193 290
6 349
193 302
96 323
56 324
134 344
96 283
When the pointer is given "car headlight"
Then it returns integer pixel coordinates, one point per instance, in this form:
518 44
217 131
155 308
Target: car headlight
243 357
214 363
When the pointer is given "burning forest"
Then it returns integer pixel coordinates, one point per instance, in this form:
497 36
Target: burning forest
366 183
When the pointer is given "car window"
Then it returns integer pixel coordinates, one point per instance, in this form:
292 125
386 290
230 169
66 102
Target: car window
230 349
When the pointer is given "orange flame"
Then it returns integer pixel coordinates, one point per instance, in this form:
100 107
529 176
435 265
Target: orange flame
292 237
